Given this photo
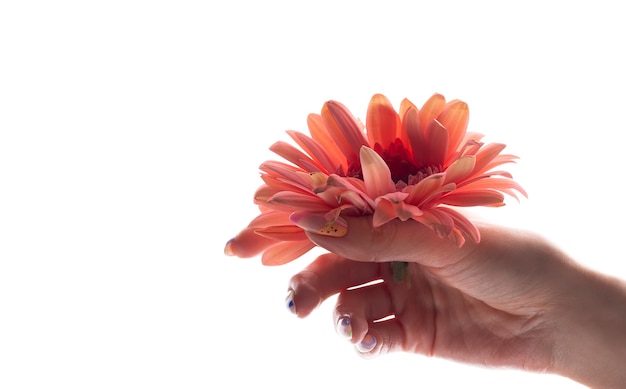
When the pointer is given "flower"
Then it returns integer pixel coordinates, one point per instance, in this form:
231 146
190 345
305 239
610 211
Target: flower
412 164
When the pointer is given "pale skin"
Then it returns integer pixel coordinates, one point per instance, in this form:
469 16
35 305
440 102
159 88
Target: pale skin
512 300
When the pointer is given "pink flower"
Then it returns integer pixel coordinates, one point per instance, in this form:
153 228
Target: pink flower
413 164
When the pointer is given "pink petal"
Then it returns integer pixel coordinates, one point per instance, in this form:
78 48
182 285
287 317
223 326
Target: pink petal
376 174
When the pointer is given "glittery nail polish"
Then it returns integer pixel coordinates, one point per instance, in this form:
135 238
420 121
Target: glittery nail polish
318 224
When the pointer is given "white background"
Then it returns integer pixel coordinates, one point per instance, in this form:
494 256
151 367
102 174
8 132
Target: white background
131 133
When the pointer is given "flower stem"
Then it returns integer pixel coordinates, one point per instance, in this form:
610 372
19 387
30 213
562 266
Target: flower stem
400 271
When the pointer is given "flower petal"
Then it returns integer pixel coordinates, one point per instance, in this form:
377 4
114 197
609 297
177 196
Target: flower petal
283 232
460 169
382 122
285 252
438 221
454 117
432 108
423 189
296 156
376 174
343 129
437 144
486 155
316 151
411 125
287 201
462 224
392 206
471 198
319 133
270 218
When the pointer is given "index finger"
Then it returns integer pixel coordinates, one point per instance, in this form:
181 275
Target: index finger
328 275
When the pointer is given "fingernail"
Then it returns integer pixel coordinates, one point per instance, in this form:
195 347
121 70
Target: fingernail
344 327
318 224
289 301
228 249
367 344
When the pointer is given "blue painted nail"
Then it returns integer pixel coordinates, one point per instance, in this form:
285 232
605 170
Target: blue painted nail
367 344
289 301
344 327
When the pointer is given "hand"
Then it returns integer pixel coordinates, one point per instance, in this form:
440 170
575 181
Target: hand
512 300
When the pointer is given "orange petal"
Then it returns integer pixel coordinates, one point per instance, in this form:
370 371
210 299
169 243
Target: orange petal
315 150
486 155
382 122
376 174
343 129
463 224
295 156
282 233
292 201
454 117
285 252
423 189
432 108
437 144
411 125
319 133
405 105
391 207
460 169
471 198
270 218
438 221
502 184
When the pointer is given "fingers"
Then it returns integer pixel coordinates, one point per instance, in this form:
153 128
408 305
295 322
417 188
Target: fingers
328 275
407 241
388 316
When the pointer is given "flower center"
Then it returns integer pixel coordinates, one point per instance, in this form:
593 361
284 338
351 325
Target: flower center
404 170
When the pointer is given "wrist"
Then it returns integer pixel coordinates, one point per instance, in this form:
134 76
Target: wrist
590 331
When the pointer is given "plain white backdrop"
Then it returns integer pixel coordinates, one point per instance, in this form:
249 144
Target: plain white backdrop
130 138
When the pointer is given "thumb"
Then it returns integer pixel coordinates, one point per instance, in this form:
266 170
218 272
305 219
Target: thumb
403 241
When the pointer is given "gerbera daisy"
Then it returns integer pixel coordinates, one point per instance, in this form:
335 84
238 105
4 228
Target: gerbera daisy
413 164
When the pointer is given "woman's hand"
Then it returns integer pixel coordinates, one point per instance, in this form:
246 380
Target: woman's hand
512 300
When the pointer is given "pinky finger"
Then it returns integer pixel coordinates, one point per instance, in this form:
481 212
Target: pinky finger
381 338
